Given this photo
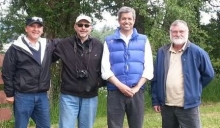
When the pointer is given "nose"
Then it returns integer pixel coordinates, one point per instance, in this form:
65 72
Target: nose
127 20
178 33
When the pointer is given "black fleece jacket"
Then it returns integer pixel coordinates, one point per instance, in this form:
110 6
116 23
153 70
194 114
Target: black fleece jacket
76 56
22 73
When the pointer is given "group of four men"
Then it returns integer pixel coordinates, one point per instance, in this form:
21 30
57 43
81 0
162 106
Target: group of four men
125 61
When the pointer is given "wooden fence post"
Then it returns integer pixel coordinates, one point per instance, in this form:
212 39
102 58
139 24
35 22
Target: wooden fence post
5 112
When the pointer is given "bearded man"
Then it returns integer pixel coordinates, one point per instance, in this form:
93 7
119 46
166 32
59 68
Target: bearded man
181 71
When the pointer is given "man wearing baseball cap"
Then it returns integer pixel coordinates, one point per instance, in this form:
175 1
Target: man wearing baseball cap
83 17
32 20
81 75
26 75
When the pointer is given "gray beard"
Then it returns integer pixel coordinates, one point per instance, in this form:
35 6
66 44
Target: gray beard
178 41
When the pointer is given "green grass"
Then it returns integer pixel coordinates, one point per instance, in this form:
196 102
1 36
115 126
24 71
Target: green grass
210 110
210 117
211 92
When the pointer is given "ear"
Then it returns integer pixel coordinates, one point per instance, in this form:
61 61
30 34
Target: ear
25 29
74 26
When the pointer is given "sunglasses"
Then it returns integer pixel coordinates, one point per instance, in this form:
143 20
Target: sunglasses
37 19
85 25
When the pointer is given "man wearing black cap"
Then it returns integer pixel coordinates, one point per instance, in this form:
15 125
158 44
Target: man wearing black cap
26 75
81 75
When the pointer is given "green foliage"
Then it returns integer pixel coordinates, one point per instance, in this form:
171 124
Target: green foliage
55 82
212 41
165 14
211 92
101 34
102 109
59 16
153 18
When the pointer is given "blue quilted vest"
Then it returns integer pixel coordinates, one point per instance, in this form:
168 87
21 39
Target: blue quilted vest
127 62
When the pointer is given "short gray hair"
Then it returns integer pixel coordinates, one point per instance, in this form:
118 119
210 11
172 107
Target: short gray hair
176 22
126 9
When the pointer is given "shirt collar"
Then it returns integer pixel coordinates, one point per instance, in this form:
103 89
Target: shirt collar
182 49
123 36
29 43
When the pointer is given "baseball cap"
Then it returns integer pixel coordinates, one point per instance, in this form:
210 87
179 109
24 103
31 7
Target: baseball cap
83 17
34 19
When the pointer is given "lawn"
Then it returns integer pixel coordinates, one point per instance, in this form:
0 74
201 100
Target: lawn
210 116
209 110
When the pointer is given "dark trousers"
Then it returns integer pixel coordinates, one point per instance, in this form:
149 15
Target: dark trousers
118 105
177 117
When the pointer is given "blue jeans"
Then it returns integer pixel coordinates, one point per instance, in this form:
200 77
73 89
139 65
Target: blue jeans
73 108
177 117
31 105
118 105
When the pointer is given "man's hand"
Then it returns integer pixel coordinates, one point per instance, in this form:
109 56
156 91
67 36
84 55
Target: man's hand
135 89
127 91
10 100
157 108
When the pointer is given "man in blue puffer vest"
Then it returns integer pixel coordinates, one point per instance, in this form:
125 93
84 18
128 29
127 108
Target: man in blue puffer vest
126 65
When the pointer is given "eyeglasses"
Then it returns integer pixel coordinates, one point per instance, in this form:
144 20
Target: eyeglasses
176 32
37 18
85 25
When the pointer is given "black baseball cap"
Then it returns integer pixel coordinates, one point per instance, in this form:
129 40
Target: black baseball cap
34 19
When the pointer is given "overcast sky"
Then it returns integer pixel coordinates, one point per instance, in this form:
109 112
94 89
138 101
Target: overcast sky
112 20
108 20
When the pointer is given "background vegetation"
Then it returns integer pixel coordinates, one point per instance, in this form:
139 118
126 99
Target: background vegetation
153 19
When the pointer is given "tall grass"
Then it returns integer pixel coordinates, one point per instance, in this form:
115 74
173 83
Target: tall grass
211 93
210 110
210 118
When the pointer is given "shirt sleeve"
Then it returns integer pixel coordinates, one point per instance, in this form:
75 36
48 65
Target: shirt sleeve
148 62
8 71
105 66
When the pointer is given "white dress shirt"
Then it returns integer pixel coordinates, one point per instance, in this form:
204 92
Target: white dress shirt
148 60
32 45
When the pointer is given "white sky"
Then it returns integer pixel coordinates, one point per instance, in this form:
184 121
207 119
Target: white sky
111 21
108 20
206 17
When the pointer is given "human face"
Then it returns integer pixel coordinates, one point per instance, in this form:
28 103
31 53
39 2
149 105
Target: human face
126 22
179 34
34 31
83 29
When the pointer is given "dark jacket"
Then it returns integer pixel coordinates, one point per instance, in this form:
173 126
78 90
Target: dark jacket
22 73
77 57
197 73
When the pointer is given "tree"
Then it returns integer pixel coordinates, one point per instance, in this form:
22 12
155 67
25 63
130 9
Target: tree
153 18
101 34
59 15
213 42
